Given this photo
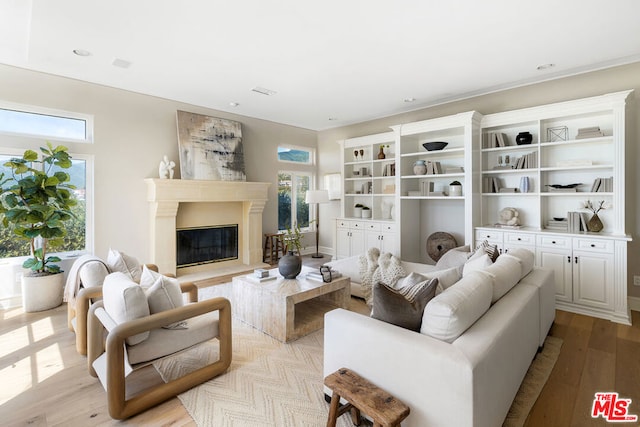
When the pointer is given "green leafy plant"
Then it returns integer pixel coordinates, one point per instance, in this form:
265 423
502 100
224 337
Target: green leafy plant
455 183
293 238
36 202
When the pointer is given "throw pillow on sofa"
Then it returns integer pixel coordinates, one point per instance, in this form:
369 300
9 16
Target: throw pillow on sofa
489 249
476 263
455 257
403 306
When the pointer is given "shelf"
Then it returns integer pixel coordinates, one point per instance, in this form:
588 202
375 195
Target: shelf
509 148
444 152
601 139
511 194
432 198
575 168
438 175
503 171
577 193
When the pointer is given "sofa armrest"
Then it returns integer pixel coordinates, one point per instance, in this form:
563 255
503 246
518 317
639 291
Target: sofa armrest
413 367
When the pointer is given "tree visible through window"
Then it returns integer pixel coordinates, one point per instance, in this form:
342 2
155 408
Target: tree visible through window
292 189
11 246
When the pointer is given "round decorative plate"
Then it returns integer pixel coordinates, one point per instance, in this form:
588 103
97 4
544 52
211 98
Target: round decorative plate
438 243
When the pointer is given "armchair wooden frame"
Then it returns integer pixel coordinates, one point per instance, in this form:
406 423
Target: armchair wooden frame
85 296
121 408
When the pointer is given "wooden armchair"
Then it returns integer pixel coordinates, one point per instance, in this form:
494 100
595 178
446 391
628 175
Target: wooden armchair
113 361
89 290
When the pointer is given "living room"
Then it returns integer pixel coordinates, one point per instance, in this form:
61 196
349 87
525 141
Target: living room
133 132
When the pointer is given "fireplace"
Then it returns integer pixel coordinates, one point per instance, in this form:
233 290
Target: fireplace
177 204
206 245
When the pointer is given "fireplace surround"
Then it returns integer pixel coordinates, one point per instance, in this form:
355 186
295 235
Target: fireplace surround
177 203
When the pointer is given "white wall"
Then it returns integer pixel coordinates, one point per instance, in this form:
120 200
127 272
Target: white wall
132 133
581 86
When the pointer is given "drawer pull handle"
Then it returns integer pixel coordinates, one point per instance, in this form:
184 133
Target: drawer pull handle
553 241
576 258
593 245
569 259
519 239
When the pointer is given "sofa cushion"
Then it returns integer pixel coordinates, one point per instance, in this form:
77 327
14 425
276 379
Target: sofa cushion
163 293
452 312
119 261
504 274
476 263
526 258
124 300
455 257
403 306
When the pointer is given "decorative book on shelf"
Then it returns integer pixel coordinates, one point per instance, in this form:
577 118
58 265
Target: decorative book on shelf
589 132
602 185
497 139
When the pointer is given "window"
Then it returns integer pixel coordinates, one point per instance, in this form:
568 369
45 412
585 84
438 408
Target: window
293 154
292 189
79 235
44 122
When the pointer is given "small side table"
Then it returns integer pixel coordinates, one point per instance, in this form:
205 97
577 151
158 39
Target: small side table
362 395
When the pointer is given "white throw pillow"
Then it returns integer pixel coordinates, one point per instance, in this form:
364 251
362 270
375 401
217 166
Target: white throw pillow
93 273
449 314
476 264
411 280
455 257
119 261
163 293
526 258
124 300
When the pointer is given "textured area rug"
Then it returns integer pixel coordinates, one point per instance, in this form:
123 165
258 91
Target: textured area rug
275 384
535 379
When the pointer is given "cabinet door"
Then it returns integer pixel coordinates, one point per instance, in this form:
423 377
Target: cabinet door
372 240
559 261
389 243
357 243
343 243
593 279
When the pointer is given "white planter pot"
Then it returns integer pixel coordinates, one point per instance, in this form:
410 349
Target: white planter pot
455 190
42 292
357 212
366 213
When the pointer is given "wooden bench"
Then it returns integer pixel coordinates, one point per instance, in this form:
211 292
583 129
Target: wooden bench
361 395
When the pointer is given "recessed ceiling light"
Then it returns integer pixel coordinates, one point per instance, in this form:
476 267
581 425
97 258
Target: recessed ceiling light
410 99
264 91
234 104
121 63
81 52
545 66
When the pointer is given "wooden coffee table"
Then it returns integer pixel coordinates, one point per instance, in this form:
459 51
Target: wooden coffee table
288 309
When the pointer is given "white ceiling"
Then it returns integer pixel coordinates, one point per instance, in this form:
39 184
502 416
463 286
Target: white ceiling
349 60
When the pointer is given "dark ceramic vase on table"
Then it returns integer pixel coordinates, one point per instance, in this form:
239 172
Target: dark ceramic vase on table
524 138
290 265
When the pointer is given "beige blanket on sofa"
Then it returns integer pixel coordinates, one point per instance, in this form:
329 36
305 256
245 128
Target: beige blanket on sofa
378 268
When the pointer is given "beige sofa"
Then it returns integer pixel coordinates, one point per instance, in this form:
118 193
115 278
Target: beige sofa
476 342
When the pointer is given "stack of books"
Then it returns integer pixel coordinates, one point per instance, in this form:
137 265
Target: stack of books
590 132
527 161
577 221
497 139
602 185
315 275
433 168
491 184
558 224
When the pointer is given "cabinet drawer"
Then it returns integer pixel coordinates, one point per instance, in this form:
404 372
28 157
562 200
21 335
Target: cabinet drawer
372 226
389 228
343 223
520 239
490 235
594 245
552 241
359 225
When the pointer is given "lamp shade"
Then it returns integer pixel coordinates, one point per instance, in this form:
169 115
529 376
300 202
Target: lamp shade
316 196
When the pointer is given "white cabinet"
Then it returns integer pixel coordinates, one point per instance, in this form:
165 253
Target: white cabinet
554 252
382 236
349 238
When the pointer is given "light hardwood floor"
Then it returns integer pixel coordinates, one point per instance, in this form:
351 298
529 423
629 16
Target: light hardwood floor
44 382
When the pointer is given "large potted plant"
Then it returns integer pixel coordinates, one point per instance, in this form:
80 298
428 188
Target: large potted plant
35 203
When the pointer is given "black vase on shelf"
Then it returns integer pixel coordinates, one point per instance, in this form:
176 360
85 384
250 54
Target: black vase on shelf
524 138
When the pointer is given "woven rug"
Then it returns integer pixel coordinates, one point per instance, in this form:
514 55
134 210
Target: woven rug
275 384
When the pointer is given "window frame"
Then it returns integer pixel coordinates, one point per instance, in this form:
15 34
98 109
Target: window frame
32 109
294 202
310 150
89 234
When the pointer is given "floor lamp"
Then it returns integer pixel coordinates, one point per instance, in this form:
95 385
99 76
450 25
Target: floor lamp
316 197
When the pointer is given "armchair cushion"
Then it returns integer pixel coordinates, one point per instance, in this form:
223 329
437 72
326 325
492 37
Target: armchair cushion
124 300
119 261
163 293
93 273
163 342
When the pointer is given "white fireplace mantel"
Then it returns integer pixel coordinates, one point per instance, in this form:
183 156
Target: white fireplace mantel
165 195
